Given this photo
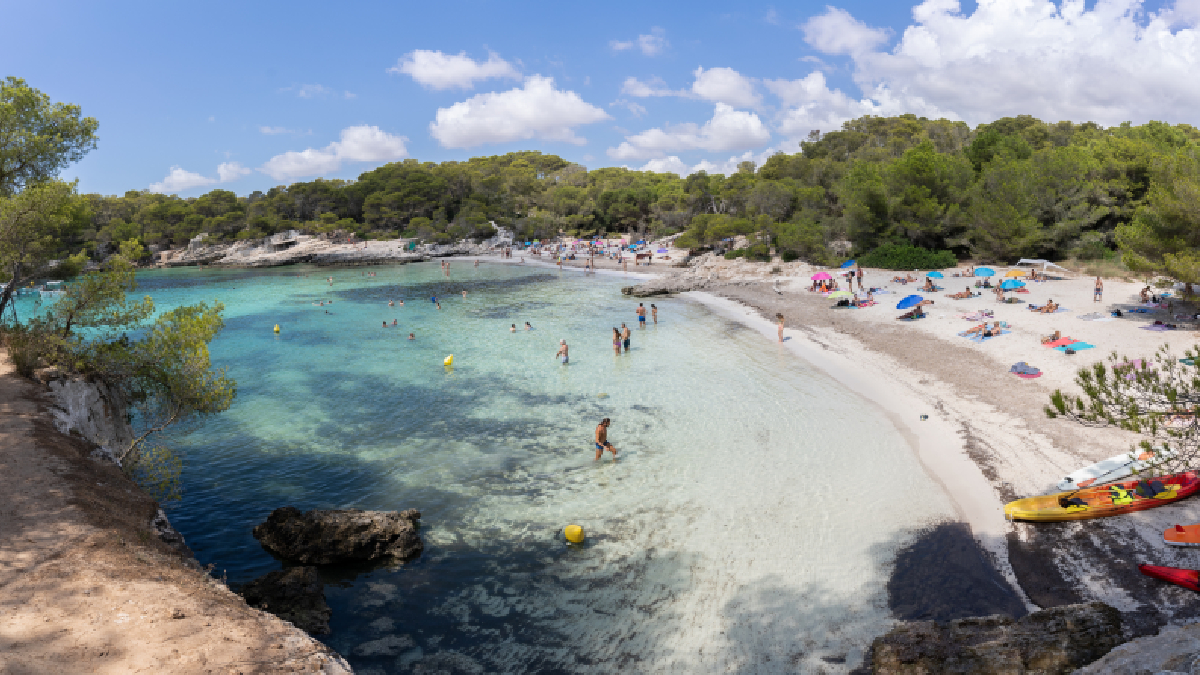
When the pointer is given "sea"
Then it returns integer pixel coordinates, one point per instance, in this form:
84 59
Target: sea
749 523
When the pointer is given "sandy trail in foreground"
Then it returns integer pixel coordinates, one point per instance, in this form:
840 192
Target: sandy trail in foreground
86 586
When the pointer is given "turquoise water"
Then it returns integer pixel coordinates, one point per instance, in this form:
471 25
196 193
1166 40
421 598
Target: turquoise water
748 525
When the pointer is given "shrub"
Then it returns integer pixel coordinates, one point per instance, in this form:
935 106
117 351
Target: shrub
735 253
789 256
759 253
907 257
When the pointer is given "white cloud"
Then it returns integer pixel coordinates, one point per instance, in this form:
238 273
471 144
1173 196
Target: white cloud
836 32
228 171
274 131
435 70
536 110
728 130
655 86
357 144
673 164
179 180
725 85
651 45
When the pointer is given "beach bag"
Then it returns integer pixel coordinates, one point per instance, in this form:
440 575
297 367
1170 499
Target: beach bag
1116 313
1068 350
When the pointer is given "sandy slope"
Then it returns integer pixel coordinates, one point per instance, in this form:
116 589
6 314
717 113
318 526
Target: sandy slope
86 586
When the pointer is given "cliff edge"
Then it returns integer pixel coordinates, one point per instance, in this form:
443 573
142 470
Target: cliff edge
92 577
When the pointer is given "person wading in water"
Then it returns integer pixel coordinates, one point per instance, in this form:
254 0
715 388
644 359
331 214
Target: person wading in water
602 443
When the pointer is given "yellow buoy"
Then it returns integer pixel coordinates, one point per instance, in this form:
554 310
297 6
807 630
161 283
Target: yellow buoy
448 361
574 534
276 328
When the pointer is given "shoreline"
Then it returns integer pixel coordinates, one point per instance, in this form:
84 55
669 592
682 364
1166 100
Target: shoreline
929 440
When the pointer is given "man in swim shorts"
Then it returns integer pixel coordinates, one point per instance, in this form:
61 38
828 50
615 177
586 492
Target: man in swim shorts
641 314
562 352
602 443
625 333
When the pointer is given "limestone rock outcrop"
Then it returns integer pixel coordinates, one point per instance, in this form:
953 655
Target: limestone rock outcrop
351 535
296 594
1051 641
1176 649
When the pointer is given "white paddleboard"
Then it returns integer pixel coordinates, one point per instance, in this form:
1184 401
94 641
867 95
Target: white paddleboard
1109 470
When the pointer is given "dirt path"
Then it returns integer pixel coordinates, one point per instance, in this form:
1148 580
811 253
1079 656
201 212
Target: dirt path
87 586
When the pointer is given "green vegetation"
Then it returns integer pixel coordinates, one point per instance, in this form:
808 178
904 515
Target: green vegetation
907 257
159 366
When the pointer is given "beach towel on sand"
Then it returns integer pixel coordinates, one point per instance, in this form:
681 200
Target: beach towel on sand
1075 346
1022 369
1157 327
1060 342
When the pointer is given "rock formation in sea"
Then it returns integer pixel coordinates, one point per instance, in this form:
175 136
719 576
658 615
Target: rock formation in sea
296 594
353 535
1051 641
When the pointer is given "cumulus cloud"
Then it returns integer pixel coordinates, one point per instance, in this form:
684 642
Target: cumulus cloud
361 143
435 70
180 180
673 164
837 32
725 85
536 110
650 45
1064 61
728 130
635 108
227 171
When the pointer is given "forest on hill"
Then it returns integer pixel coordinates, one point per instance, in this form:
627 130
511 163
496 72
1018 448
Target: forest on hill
1013 187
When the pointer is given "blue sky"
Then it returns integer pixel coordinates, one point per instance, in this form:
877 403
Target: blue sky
245 96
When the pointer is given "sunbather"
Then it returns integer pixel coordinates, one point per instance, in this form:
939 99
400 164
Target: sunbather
917 312
983 330
963 295
1048 308
1056 335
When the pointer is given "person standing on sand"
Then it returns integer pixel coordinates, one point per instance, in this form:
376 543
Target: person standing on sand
860 276
602 443
641 315
1098 294
654 313
625 334
779 318
616 342
562 352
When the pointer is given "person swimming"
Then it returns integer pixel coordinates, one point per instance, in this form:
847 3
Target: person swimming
513 329
527 326
412 337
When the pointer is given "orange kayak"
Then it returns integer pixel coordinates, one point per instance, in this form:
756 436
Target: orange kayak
1182 535
1102 501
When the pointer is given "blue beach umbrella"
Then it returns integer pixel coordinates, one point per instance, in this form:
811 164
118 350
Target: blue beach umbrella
910 301
1011 284
985 272
936 275
848 263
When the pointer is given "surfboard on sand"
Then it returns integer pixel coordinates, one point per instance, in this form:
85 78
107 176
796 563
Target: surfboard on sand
1109 470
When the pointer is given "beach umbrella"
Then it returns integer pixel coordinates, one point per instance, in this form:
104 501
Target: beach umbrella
936 275
1014 273
1011 284
848 263
840 294
820 276
910 301
985 272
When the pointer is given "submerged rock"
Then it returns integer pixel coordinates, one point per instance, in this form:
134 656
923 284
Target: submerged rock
352 535
296 594
1056 640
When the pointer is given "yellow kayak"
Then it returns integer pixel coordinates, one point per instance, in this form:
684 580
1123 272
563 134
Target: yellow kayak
1105 500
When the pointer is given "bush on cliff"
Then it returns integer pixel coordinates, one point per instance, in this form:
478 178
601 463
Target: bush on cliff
907 257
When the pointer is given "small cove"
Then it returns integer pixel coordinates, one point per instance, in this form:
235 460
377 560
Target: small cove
749 525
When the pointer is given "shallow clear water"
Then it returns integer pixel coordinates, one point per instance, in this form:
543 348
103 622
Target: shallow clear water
748 525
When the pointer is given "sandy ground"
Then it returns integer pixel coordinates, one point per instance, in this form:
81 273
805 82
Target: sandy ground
87 587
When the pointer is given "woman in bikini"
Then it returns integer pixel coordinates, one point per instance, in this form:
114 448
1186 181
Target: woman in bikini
616 342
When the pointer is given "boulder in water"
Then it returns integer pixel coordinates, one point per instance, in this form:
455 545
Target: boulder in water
351 535
295 594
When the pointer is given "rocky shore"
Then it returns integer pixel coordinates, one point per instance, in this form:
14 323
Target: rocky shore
92 576
292 249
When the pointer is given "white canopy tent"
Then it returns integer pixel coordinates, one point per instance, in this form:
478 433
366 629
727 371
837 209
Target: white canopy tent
1044 263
